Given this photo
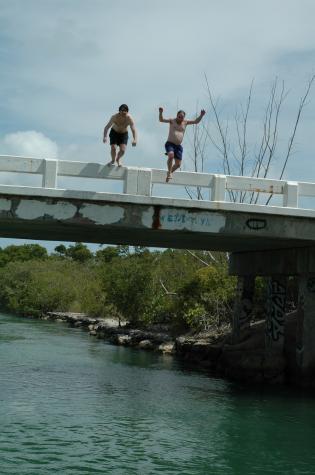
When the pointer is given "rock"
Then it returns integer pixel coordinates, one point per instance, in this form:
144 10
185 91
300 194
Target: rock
168 347
77 324
146 344
274 366
243 366
124 340
183 345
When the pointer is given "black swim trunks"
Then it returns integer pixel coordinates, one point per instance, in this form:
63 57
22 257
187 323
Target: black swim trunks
117 138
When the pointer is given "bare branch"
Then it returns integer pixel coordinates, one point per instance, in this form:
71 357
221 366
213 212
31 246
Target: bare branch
291 140
165 289
201 260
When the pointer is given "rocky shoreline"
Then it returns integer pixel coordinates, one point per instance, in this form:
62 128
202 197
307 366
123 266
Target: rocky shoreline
156 338
246 361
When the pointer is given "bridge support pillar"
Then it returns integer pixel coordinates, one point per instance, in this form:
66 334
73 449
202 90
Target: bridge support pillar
305 350
243 307
275 318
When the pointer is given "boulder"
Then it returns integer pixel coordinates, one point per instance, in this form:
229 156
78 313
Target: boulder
167 348
125 340
146 344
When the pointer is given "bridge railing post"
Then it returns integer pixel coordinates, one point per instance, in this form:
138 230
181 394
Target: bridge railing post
291 194
50 173
131 181
217 192
144 182
138 182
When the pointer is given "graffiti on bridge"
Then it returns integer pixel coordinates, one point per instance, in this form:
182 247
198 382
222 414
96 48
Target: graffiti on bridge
275 311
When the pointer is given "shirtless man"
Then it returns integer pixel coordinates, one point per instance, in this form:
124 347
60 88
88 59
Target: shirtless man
118 134
173 147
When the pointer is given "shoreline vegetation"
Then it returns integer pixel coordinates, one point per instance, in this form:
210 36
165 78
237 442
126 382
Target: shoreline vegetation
177 302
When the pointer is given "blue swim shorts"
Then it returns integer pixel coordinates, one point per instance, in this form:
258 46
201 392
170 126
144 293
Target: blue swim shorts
177 149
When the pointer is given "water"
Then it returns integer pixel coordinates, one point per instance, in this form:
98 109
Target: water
70 404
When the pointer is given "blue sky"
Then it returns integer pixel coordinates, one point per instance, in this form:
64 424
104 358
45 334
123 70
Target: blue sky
66 65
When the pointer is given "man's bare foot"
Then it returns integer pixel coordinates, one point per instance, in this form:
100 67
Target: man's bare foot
111 164
168 177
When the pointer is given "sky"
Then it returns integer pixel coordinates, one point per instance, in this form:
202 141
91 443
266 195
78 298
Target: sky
67 65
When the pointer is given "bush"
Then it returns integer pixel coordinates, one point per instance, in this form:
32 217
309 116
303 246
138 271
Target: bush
33 287
207 298
129 287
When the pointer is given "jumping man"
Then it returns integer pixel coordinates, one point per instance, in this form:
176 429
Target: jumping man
118 134
174 150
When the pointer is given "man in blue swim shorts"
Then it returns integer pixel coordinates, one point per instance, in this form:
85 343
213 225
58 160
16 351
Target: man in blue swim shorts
174 150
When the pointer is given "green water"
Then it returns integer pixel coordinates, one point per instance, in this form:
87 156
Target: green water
70 404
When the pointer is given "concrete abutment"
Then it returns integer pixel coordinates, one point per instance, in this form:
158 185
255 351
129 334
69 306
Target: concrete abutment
278 266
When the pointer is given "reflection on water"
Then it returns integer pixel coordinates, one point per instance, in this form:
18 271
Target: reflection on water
72 404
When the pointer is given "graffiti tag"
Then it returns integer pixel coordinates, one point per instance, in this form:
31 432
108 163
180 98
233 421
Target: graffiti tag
256 224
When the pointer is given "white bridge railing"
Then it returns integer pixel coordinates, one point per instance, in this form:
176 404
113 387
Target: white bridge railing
139 181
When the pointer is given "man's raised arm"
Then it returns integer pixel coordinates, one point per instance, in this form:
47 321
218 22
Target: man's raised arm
161 119
196 121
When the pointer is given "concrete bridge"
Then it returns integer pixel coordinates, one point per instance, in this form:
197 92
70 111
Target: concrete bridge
273 241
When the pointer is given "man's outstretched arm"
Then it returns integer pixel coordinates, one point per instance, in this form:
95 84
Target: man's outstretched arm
161 119
106 129
196 121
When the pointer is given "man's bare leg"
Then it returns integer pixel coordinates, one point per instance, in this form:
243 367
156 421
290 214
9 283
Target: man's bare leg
113 154
169 166
176 165
122 149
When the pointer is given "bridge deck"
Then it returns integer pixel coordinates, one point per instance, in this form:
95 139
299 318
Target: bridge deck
53 214
136 217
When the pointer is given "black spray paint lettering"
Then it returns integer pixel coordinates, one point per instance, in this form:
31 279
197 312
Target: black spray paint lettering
275 321
256 224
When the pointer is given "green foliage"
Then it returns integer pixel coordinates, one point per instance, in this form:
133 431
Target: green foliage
90 293
79 252
107 254
61 250
206 299
23 253
128 283
34 288
139 286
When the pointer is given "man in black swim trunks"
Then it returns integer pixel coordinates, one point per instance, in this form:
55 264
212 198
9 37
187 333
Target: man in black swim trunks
118 135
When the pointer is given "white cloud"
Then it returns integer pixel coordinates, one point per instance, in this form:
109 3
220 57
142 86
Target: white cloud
28 144
69 65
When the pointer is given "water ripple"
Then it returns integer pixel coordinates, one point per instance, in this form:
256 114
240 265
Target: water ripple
72 405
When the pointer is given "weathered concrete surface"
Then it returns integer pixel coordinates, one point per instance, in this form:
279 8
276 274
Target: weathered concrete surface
160 222
305 348
243 306
296 261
